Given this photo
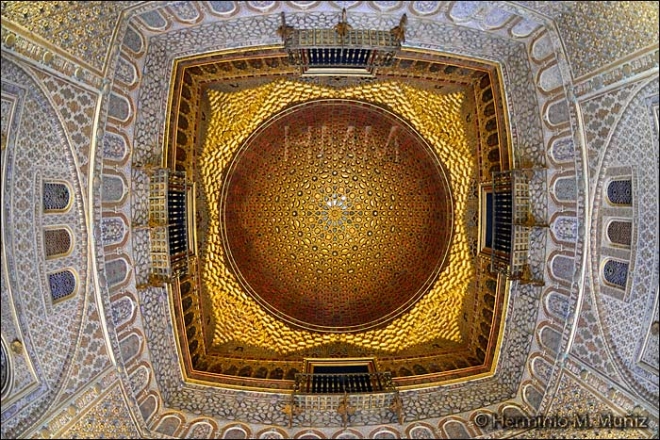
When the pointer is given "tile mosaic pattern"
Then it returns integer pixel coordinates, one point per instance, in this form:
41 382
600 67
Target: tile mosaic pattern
589 345
91 358
77 107
584 413
84 30
43 151
22 371
106 416
631 145
597 34
7 108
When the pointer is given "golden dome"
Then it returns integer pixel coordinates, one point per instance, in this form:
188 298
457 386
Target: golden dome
337 215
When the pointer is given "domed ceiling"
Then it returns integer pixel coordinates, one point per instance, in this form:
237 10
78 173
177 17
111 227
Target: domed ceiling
176 85
336 215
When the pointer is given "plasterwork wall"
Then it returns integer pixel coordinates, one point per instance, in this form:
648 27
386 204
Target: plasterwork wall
630 26
589 411
39 149
628 143
84 31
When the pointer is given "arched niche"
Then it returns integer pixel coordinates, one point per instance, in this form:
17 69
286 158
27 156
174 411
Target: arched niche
455 429
56 197
62 284
58 242
532 396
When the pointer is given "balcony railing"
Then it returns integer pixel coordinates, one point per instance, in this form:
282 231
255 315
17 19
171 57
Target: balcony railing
341 50
168 224
352 383
512 224
344 394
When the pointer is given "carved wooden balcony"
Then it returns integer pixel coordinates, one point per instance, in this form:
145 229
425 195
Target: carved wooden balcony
342 50
344 394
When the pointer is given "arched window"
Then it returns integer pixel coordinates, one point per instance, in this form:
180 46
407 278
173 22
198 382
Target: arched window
487 95
56 197
6 371
419 369
492 140
491 125
620 232
185 288
619 192
494 154
245 371
193 346
261 373
57 242
455 429
616 273
277 374
565 189
291 374
62 284
491 285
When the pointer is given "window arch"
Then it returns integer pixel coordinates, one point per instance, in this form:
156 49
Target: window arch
116 271
6 370
565 189
62 284
615 273
494 155
277 374
56 197
57 242
619 192
620 232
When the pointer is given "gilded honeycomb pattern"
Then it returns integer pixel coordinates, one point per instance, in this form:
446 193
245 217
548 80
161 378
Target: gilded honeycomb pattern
437 117
336 216
438 74
444 361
